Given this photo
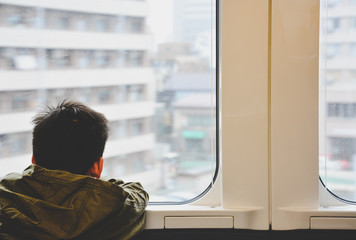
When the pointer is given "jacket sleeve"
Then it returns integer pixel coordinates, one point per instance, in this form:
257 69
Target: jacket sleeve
136 196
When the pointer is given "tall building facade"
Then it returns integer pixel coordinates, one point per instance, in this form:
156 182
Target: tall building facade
91 51
193 22
338 98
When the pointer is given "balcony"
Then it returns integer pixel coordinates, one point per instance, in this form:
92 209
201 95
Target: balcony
21 121
62 39
123 7
25 80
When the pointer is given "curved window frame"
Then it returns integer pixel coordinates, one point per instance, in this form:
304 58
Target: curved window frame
217 120
300 201
233 201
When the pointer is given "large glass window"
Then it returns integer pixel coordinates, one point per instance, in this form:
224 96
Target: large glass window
149 66
337 160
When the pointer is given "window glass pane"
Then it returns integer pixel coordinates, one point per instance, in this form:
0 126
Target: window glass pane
148 66
337 160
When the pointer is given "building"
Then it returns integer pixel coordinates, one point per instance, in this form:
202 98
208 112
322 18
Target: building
84 50
195 135
338 97
340 108
188 119
193 19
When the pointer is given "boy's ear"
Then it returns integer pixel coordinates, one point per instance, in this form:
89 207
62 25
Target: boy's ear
96 169
33 160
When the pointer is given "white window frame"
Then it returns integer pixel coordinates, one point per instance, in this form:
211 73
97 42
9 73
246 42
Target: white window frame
239 198
299 201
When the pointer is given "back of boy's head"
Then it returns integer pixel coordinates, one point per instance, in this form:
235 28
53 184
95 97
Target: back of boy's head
70 136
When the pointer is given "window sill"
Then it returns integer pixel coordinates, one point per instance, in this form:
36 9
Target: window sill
332 217
242 218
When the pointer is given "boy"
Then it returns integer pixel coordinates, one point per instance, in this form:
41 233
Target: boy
60 196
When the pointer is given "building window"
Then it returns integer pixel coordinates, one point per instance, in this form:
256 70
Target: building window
105 95
3 144
62 23
135 93
334 3
82 59
14 144
134 58
18 17
199 120
22 100
136 127
117 129
58 58
353 50
334 50
333 24
20 143
102 59
102 25
81 22
135 25
342 110
14 20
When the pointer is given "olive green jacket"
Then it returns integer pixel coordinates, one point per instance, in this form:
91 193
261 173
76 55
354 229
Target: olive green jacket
46 204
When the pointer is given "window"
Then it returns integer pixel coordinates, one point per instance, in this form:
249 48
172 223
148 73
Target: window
117 129
334 50
135 24
105 95
14 144
337 138
18 16
22 100
341 110
3 144
136 127
353 50
333 24
269 118
135 92
335 3
82 59
58 58
134 58
304 129
62 23
20 143
102 57
102 25
199 120
81 21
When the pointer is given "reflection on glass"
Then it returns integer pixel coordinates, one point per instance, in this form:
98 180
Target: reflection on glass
337 160
150 71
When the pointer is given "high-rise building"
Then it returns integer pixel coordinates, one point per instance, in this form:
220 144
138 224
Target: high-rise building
91 51
338 97
194 20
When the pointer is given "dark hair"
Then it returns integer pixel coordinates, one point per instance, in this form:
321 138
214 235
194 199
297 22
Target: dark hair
69 137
